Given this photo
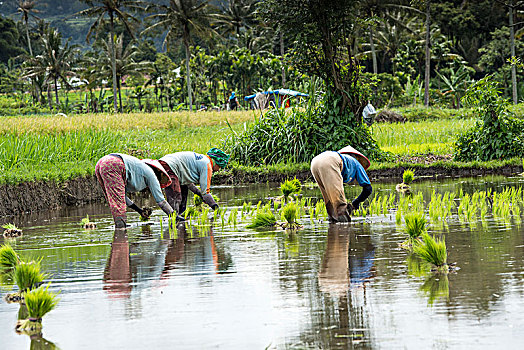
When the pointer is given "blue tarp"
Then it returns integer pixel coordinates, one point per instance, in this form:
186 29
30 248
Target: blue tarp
284 92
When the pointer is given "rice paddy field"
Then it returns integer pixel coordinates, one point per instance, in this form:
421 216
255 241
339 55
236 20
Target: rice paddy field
218 281
61 147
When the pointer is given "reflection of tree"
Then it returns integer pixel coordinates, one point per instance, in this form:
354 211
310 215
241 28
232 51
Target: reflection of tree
436 286
117 275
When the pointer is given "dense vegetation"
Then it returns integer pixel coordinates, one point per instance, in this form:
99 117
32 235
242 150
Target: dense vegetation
103 56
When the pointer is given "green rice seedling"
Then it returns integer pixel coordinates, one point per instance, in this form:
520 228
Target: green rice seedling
28 276
415 225
432 250
232 219
197 201
289 187
320 210
290 215
87 224
8 257
39 302
408 176
263 218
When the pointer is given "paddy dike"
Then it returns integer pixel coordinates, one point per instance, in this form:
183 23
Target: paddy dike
37 196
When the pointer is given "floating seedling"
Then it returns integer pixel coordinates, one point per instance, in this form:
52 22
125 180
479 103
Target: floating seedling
263 218
290 187
87 224
407 178
290 215
39 302
11 231
415 226
432 250
8 257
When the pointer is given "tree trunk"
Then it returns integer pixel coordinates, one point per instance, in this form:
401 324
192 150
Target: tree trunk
512 45
113 60
28 38
373 51
428 54
49 98
56 92
120 93
188 76
282 57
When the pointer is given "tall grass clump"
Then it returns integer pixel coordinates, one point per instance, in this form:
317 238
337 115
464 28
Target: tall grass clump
263 218
432 250
39 302
299 133
28 276
8 257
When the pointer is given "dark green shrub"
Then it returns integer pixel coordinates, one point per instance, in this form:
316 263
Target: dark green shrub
498 134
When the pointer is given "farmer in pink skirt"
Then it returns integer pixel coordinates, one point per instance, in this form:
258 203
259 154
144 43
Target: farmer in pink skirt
119 174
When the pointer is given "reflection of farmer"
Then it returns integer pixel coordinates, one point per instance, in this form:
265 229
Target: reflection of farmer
333 277
188 168
331 170
119 174
233 102
117 275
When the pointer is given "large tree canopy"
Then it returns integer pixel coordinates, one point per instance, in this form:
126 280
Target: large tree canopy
321 30
9 44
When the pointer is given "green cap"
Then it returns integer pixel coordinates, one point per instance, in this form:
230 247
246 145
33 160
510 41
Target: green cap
220 158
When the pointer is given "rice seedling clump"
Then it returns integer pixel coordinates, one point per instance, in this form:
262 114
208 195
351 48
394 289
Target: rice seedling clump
28 276
415 225
39 302
408 176
431 250
8 257
289 187
290 215
263 218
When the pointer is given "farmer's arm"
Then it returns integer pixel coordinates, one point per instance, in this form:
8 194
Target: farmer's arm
205 184
156 191
363 180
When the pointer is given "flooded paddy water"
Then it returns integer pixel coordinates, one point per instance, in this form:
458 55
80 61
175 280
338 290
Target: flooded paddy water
324 287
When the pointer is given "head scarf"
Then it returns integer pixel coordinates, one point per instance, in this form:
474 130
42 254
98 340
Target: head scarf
221 159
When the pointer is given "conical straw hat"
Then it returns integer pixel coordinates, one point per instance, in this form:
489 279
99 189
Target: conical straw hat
362 159
165 179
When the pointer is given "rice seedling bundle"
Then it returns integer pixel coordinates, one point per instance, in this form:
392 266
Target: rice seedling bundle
263 218
290 215
320 210
8 257
289 187
408 176
39 302
431 250
28 276
415 225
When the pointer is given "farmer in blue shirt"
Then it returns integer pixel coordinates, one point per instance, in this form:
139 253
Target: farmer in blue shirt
331 170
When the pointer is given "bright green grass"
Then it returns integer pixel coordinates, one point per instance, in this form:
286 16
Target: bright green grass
433 136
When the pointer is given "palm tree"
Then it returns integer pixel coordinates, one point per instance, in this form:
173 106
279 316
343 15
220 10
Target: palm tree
27 8
116 10
56 61
182 19
236 14
125 63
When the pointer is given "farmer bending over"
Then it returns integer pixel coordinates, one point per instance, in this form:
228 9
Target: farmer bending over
187 168
119 174
331 170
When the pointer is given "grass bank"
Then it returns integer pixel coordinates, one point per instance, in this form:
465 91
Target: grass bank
61 148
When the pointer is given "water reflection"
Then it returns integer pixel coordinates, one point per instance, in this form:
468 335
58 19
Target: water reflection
117 275
435 287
